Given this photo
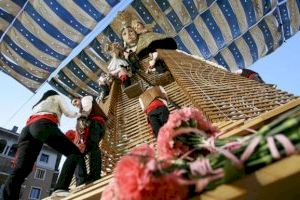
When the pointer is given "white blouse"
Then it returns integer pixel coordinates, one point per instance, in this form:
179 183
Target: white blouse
115 64
54 105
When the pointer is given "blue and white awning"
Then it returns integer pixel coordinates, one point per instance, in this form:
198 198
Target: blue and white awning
38 35
231 33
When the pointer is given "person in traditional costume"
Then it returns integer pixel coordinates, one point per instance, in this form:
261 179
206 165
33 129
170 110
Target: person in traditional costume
145 44
250 74
95 118
148 41
79 138
154 102
42 128
139 27
118 65
104 87
130 38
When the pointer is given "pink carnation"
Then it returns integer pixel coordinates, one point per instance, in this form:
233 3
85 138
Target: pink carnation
132 173
165 141
166 187
109 192
143 150
136 178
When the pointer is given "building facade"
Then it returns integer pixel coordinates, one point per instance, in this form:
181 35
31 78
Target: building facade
39 184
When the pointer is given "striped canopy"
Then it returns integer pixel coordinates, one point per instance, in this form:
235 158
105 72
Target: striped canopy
229 32
36 35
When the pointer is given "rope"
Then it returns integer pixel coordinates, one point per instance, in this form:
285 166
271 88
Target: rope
17 111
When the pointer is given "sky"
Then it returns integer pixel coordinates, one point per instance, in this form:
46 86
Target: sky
281 67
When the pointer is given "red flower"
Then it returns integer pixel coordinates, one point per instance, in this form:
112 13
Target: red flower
110 191
166 147
132 174
166 187
137 177
143 150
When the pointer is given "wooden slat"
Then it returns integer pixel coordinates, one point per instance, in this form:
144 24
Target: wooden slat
265 116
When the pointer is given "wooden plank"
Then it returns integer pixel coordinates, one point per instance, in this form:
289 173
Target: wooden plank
256 121
232 125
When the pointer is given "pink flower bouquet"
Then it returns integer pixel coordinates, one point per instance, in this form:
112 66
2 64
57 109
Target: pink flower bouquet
184 128
140 176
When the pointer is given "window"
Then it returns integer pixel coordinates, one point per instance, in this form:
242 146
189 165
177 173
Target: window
44 158
13 150
35 193
40 174
2 145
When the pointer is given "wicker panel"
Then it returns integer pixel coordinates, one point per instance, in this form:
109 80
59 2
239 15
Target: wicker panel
221 95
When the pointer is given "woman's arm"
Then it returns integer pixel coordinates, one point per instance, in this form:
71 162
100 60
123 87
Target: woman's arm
65 109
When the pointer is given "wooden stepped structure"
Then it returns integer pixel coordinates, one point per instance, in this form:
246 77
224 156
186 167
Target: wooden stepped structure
231 102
